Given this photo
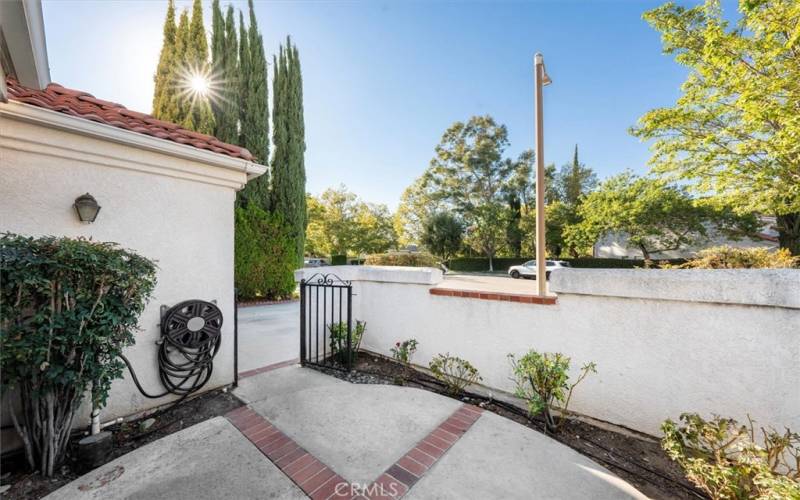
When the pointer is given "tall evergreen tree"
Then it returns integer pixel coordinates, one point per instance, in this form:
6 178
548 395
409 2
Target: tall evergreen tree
217 35
257 111
177 108
244 71
253 110
199 107
288 163
225 101
165 63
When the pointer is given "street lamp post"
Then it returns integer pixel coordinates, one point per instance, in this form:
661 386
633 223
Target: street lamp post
541 79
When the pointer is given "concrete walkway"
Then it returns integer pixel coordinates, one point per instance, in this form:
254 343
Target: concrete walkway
305 433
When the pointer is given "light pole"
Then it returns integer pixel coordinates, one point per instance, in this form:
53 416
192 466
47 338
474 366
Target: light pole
541 79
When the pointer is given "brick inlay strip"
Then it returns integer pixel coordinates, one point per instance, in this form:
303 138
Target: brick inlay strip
483 295
403 474
319 481
315 478
264 369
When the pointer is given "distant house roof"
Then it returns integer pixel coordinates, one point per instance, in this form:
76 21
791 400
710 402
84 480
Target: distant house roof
83 105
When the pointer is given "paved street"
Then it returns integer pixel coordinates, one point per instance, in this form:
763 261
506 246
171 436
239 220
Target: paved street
268 334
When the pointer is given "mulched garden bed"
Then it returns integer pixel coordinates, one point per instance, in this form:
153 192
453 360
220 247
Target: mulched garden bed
632 456
127 437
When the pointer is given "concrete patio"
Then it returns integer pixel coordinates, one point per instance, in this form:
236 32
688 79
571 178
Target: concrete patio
308 434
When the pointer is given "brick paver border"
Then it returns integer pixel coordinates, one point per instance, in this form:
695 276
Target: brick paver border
274 366
504 296
405 473
319 481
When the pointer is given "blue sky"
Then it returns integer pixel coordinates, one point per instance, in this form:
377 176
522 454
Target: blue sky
383 80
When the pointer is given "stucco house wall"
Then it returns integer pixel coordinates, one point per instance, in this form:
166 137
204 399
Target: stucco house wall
665 341
174 210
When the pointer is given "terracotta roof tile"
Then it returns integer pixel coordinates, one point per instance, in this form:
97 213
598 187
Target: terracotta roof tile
86 106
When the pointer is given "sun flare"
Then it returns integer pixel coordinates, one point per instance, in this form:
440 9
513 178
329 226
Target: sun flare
199 84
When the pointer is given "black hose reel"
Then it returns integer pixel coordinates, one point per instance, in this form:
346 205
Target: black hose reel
191 334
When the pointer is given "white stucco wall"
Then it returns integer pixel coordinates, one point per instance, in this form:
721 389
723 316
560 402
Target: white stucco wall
665 342
175 211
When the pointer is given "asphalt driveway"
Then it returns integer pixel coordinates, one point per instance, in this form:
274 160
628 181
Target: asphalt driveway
268 334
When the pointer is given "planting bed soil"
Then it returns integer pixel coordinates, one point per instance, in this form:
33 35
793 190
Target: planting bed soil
127 437
634 457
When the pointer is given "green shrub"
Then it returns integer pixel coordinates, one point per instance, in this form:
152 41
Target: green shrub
503 263
542 380
338 260
723 459
726 257
264 255
70 306
403 351
410 259
338 340
455 373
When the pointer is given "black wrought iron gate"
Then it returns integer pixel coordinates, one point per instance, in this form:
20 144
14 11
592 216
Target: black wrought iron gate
326 326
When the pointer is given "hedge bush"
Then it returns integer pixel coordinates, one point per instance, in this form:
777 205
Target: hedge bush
70 306
410 259
338 260
726 257
264 255
503 263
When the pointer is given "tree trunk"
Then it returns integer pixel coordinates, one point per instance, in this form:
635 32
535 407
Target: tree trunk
491 267
645 253
789 232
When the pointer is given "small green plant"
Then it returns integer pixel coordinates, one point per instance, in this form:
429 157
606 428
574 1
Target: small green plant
456 373
403 351
338 340
722 458
542 380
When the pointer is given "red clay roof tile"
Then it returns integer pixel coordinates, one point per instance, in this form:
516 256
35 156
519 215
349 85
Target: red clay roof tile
86 106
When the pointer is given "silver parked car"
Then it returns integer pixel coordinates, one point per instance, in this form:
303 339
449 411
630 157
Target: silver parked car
528 269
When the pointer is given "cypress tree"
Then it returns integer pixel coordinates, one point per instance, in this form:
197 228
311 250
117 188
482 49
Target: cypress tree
227 124
176 111
224 46
253 110
244 71
288 195
257 110
217 35
165 63
196 60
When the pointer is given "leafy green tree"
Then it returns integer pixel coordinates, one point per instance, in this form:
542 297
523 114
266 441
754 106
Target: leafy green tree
340 223
198 115
166 61
443 234
374 229
470 174
654 215
573 181
734 131
417 203
520 195
288 195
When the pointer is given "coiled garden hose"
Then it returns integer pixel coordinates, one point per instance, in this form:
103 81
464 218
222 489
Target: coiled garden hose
190 338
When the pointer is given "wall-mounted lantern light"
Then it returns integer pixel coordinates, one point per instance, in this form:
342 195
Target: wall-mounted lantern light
87 207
